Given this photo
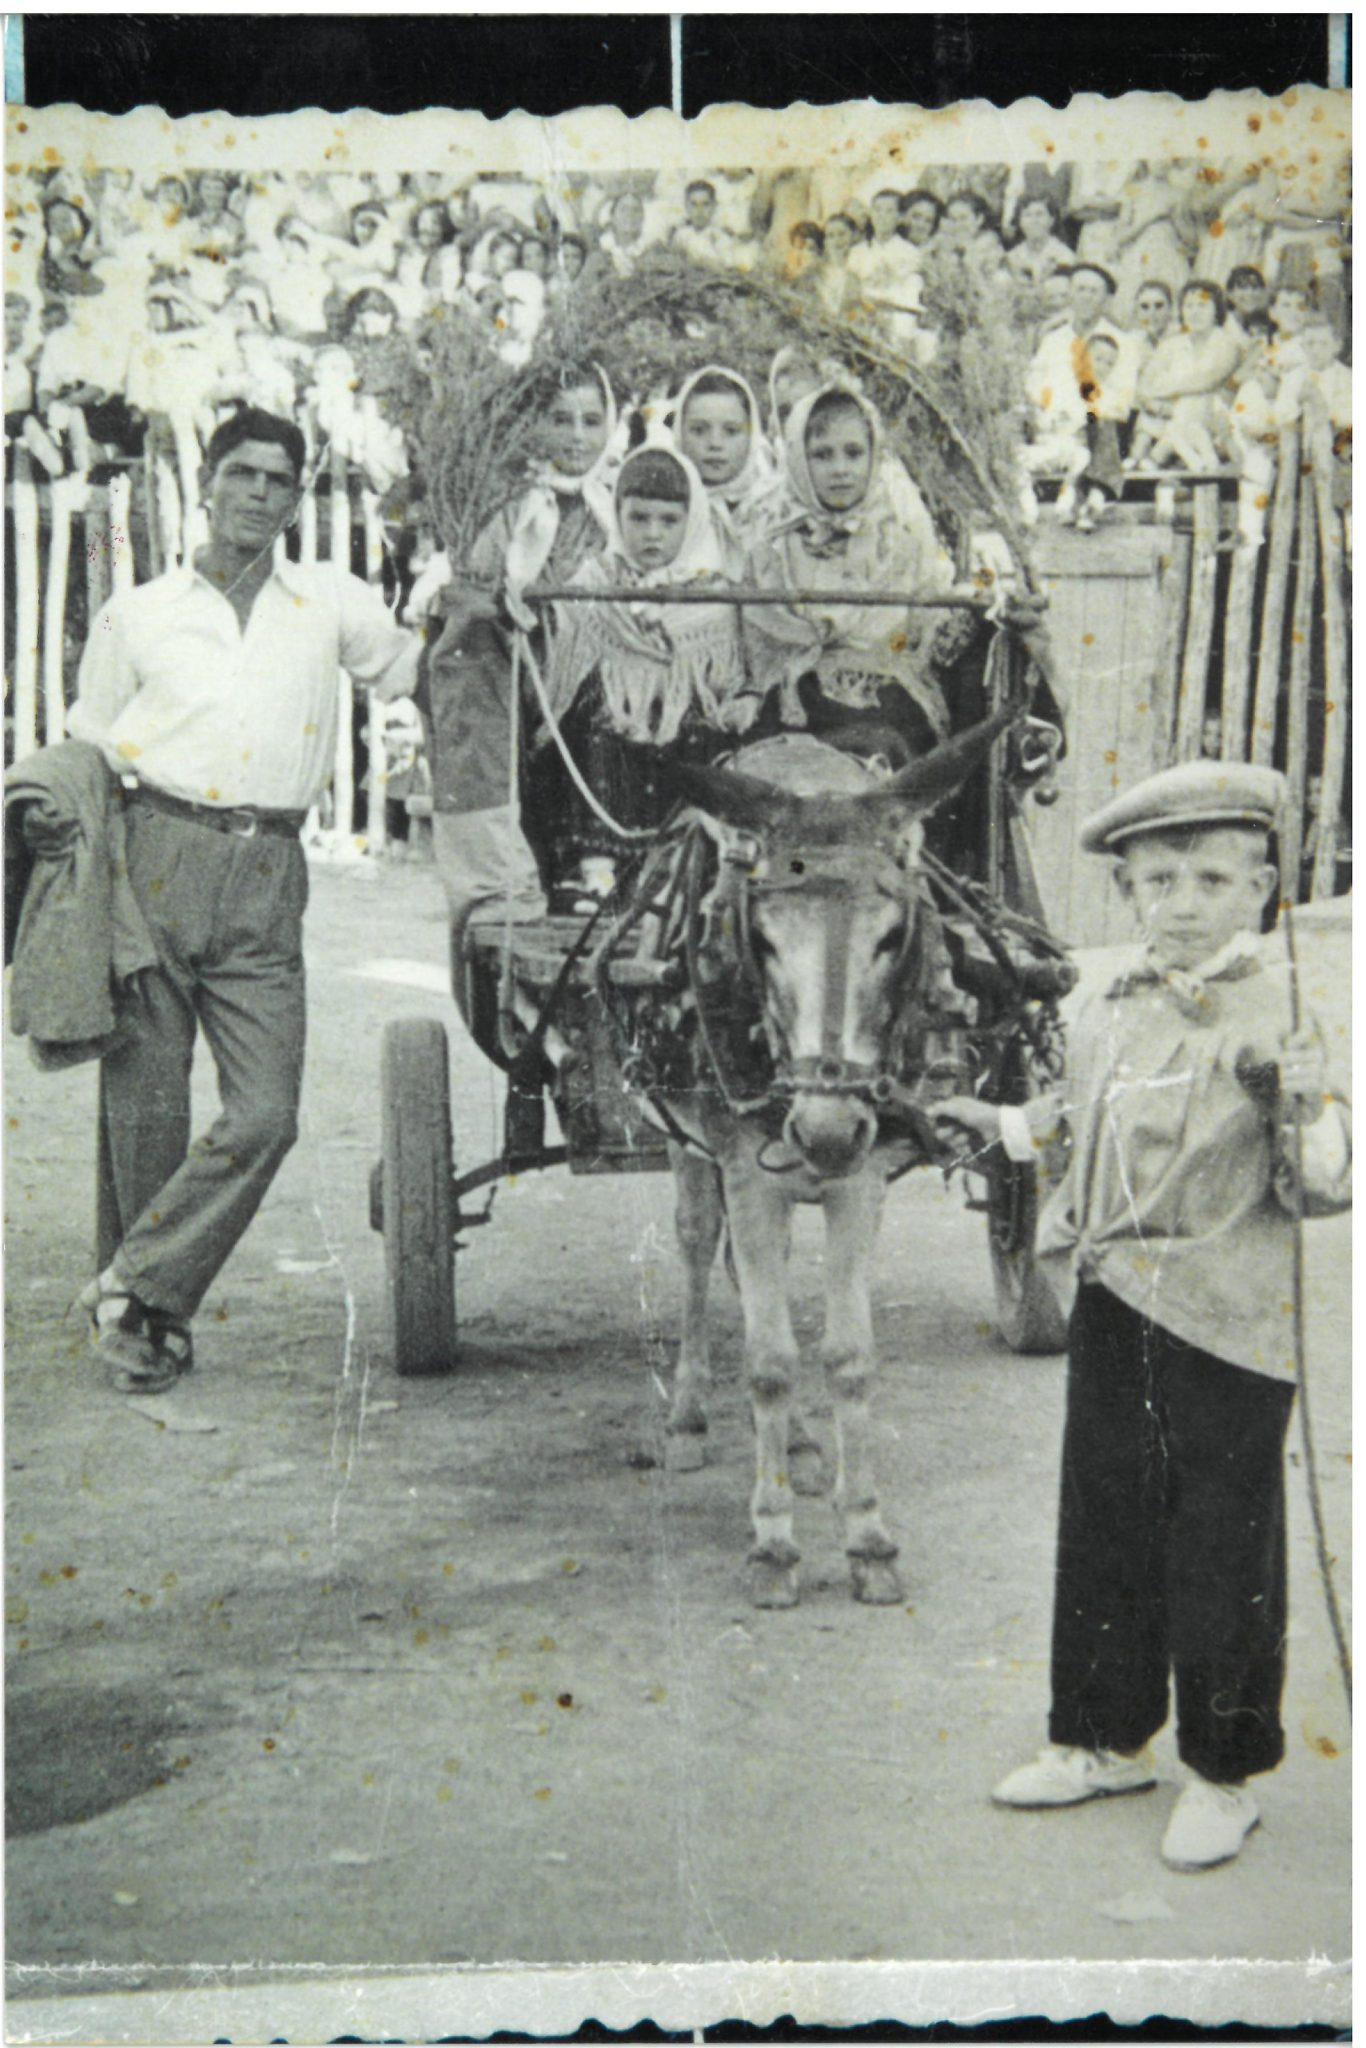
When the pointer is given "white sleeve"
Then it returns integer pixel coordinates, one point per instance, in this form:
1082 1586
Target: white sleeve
108 680
375 649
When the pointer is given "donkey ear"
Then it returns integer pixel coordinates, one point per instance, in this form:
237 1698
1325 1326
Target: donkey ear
737 799
935 776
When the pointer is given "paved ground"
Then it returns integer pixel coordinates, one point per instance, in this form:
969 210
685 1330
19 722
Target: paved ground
354 1670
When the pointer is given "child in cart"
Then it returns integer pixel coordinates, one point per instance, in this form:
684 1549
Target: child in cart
717 426
1195 1124
630 683
563 518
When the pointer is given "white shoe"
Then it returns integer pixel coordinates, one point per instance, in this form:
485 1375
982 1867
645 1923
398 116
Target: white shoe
1209 1825
1065 1777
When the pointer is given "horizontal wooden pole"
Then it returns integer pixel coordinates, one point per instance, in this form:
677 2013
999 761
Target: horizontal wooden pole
965 596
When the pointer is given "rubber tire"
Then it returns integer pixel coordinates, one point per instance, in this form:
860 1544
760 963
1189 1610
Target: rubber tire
417 1172
1028 1313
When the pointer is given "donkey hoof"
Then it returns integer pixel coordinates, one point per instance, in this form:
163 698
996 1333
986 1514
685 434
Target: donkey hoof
684 1452
773 1585
806 1470
876 1581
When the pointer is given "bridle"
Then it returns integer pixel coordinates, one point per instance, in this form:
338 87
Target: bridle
719 935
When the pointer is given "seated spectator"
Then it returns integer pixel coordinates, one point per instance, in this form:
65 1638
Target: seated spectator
69 251
1247 294
215 229
1073 405
300 287
623 242
1154 313
920 217
1184 389
700 235
570 258
837 287
429 269
1038 249
889 271
1291 311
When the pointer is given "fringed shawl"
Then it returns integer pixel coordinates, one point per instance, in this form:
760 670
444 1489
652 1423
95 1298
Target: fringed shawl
885 542
659 665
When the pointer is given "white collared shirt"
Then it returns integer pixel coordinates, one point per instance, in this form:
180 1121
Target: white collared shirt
179 694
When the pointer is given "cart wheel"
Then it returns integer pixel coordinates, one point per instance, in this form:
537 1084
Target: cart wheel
1028 1314
417 1179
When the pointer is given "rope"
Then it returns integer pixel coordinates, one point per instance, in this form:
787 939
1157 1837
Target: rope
514 839
1311 1469
521 651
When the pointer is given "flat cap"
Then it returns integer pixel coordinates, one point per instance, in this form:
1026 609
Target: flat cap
1197 793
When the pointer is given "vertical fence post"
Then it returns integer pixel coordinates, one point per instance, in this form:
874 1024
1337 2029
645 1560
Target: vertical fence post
25 503
1297 690
1242 586
1190 703
343 767
1334 662
376 828
121 564
54 610
1273 603
98 543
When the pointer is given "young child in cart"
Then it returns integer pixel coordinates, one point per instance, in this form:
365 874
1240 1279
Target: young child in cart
563 517
1196 1123
717 426
632 682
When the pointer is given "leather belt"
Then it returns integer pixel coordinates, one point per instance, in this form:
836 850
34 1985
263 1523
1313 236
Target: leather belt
243 821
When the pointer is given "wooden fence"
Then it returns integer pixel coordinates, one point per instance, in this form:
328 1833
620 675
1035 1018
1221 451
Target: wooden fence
1171 641
71 543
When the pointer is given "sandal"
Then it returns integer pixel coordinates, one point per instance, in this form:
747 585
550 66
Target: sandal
172 1338
120 1331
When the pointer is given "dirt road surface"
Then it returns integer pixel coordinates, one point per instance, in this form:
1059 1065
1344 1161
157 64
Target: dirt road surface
313 1666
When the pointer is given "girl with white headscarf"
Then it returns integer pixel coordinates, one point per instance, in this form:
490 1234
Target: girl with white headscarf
848 518
635 683
717 427
562 517
659 667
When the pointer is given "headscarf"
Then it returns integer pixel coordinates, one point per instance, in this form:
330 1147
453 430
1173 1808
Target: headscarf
886 541
657 663
733 502
784 360
550 492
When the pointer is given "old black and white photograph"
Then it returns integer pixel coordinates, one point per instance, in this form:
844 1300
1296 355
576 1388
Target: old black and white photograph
677 1146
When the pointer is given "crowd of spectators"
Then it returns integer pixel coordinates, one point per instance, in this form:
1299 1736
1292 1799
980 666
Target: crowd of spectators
1168 313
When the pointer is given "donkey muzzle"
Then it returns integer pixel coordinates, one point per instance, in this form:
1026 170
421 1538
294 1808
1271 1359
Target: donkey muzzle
833 1133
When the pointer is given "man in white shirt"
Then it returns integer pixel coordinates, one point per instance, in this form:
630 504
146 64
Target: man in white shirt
216 687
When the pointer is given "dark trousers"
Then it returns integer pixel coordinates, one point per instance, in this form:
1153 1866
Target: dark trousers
226 914
1171 1546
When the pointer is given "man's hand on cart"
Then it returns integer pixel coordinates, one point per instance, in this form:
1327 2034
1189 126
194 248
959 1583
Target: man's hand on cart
966 1124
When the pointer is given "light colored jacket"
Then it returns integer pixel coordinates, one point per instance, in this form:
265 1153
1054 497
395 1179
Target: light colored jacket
1176 1186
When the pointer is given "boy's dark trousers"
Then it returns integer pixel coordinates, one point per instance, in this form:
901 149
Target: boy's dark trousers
1171 1546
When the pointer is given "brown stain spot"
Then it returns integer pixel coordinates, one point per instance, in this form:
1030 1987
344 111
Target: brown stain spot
1144 706
1111 756
1262 500
1050 148
420 1637
564 1699
51 155
1088 639
268 1742
1254 122
542 1793
69 1571
1202 142
1216 228
527 1697
1209 174
1330 707
1325 1746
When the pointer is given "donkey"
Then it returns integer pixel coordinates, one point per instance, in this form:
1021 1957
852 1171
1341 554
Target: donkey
806 915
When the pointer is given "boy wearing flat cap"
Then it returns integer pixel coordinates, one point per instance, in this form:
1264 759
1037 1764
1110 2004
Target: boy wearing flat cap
1171 1142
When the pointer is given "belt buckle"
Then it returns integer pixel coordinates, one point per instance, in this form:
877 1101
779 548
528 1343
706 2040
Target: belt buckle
242 824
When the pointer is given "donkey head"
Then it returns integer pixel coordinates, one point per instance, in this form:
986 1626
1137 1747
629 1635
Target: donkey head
824 881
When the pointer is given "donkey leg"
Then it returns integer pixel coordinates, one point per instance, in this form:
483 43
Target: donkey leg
698 1216
760 1229
853 1210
